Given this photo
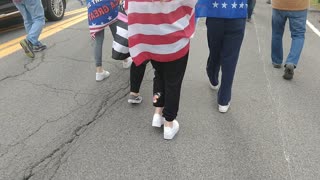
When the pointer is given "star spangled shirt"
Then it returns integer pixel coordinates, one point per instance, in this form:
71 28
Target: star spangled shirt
222 8
101 13
159 31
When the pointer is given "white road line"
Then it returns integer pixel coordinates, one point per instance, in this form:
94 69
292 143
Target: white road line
314 29
273 99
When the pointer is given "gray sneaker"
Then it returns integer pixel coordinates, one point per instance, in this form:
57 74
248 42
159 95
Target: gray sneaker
288 71
134 99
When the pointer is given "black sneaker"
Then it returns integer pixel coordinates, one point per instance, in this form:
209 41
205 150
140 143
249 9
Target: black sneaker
134 99
39 47
288 71
27 47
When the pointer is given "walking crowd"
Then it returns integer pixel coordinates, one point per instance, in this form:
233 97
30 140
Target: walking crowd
159 32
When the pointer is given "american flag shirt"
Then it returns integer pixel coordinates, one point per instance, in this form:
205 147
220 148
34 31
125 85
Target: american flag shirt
159 30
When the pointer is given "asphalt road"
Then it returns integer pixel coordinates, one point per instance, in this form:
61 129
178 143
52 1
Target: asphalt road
58 123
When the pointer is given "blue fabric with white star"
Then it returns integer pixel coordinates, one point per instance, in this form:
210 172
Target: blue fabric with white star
222 8
101 13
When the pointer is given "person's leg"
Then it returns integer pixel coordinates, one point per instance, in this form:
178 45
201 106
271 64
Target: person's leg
98 44
35 9
250 9
158 93
234 33
215 30
297 22
278 24
27 20
136 77
173 76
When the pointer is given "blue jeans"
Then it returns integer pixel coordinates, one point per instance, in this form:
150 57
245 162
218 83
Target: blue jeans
297 22
224 40
33 17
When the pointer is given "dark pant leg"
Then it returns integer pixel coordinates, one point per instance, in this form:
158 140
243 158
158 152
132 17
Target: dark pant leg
173 76
136 76
232 40
297 22
215 31
279 19
251 5
158 83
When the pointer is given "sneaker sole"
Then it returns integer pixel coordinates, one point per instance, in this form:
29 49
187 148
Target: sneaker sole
170 136
277 66
134 101
27 49
224 110
98 80
213 87
288 77
38 50
156 124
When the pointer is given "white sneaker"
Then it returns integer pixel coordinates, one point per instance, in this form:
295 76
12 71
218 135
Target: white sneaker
214 87
169 133
224 109
102 76
157 120
127 63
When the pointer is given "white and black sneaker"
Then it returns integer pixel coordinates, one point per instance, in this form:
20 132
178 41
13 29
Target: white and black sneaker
134 99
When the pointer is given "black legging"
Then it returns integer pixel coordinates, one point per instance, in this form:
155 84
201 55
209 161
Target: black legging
136 76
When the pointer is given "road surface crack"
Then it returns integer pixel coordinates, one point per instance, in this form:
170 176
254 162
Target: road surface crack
59 153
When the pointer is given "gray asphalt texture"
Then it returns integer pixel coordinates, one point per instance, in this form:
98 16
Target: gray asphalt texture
58 123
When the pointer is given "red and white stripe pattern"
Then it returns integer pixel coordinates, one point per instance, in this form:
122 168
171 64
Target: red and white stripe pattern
160 30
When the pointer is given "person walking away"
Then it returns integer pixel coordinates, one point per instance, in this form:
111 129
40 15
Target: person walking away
160 31
34 20
296 13
225 31
97 23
